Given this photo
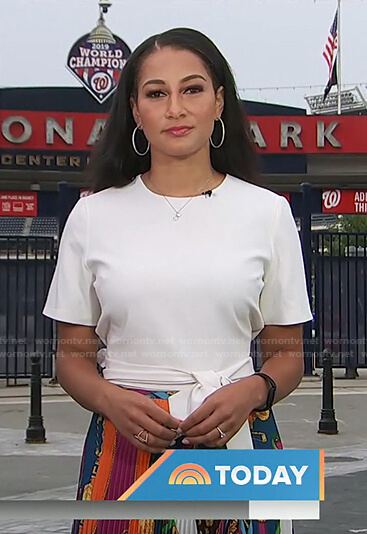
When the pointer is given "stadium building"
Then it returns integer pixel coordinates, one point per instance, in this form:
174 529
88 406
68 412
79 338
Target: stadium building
47 133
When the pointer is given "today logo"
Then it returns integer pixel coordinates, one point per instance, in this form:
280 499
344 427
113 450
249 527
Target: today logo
189 474
259 475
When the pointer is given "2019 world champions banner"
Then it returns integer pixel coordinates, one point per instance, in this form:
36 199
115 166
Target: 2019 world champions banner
97 59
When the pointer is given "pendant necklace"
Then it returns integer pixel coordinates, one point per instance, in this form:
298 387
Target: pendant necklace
178 212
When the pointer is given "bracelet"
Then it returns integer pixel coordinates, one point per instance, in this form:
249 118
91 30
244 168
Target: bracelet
271 395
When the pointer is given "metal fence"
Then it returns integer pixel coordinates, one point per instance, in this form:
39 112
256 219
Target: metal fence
26 267
340 297
338 294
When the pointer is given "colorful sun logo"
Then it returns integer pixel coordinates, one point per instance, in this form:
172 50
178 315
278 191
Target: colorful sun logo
189 474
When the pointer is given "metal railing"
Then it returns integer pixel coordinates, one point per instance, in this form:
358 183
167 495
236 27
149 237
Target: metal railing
340 296
26 267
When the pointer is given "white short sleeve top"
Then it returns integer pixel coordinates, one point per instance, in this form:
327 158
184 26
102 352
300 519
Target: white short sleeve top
179 302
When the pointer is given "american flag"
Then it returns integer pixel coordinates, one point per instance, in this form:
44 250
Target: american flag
330 53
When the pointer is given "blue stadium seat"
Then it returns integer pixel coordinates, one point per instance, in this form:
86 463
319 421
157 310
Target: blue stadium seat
11 226
43 226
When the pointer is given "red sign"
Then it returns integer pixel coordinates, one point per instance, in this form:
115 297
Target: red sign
53 131
16 204
285 195
84 193
344 201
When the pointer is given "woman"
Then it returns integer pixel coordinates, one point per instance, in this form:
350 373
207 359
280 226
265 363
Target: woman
176 283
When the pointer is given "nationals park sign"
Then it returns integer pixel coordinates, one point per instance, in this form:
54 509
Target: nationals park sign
271 134
44 140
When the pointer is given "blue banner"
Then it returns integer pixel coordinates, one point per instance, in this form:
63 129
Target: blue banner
232 475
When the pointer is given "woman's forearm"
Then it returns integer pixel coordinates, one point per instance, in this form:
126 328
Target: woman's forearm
287 369
78 376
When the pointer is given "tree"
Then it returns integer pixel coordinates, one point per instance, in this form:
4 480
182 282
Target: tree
337 244
351 223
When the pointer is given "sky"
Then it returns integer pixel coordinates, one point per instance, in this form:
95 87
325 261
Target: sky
268 43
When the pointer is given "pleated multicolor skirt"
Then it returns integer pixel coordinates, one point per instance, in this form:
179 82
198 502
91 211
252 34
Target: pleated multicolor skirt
111 464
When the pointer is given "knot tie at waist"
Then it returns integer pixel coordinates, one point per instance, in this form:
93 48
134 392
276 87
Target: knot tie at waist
191 396
192 387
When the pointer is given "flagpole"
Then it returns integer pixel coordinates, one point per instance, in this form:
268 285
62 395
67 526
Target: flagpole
339 60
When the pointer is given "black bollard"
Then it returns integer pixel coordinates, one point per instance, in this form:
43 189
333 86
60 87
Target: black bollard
327 423
35 432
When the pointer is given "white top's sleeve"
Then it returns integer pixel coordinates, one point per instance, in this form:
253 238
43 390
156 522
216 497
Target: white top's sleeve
71 296
284 299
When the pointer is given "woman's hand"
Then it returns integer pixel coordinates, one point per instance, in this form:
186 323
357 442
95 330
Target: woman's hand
132 412
227 408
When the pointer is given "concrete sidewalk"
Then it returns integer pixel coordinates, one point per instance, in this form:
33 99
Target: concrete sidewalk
22 389
309 382
50 470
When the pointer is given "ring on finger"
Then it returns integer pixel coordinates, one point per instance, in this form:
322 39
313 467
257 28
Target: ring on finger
141 437
222 434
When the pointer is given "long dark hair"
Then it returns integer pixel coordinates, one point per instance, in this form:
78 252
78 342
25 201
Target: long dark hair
114 162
